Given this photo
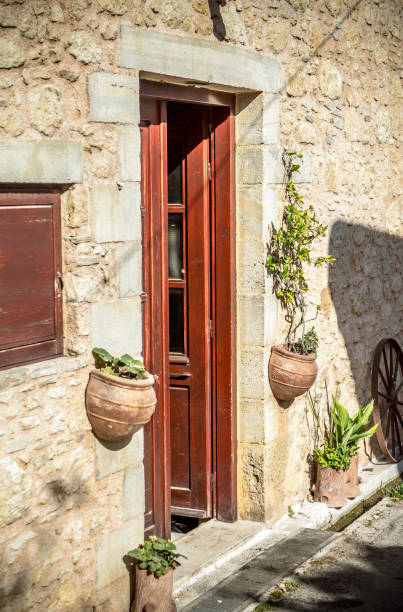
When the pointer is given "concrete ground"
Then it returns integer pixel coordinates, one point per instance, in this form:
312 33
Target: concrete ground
361 570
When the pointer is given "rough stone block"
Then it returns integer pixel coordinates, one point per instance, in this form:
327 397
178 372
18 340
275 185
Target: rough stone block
41 162
13 377
195 59
129 153
251 422
257 119
250 165
253 381
271 118
110 458
112 547
274 168
130 263
133 493
113 98
252 320
115 214
251 274
117 326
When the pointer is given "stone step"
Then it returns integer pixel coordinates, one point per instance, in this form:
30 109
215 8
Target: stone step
215 550
243 588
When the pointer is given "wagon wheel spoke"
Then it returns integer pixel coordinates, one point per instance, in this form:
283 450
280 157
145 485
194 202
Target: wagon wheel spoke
385 361
387 382
383 379
396 367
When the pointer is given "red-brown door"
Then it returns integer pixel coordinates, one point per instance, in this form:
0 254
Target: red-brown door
188 153
188 252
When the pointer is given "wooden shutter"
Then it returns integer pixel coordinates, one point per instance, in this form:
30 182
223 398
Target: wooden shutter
30 278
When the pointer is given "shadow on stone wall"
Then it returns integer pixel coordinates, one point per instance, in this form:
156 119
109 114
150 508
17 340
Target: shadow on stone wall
366 286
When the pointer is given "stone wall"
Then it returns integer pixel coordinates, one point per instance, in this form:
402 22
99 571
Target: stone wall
69 506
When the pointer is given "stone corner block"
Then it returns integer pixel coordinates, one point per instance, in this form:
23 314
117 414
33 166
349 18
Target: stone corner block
111 459
133 493
274 168
117 326
113 98
130 269
257 119
129 152
115 214
56 161
201 60
111 549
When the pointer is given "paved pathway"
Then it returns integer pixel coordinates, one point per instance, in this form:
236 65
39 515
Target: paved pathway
362 570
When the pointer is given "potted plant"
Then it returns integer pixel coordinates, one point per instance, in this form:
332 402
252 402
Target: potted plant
337 458
120 397
292 366
155 561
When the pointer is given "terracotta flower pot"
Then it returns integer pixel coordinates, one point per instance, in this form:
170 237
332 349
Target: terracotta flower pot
352 480
329 487
153 594
291 374
117 407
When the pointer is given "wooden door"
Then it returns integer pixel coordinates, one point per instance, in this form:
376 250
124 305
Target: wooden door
188 151
189 304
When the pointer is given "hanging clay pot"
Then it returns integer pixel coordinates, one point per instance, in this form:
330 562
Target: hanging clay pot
329 487
291 374
153 594
352 480
117 407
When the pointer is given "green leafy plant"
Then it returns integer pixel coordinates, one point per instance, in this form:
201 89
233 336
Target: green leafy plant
395 492
310 345
329 456
156 555
289 251
125 366
343 434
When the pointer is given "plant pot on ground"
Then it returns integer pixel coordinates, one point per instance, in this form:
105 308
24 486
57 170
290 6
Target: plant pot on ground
337 458
154 561
120 398
290 373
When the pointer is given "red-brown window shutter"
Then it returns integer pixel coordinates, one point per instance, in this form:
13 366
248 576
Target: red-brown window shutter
30 278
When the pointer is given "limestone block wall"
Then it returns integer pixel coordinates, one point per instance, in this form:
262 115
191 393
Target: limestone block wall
70 507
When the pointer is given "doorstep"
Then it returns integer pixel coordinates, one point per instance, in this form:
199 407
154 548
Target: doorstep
215 550
222 553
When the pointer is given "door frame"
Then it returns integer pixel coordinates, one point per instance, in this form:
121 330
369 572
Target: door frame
155 319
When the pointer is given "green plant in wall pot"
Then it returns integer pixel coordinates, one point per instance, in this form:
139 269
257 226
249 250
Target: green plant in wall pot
337 458
155 561
292 368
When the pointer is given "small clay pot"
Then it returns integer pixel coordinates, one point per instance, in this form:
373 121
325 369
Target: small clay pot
352 480
291 374
153 594
118 407
329 487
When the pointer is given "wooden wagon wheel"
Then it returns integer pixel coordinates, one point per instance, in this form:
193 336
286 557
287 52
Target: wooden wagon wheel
387 392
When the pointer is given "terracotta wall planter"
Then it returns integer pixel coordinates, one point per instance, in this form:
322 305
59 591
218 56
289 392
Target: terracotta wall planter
330 487
290 374
352 480
117 407
153 593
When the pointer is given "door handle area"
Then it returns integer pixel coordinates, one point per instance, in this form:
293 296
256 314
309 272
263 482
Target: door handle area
180 376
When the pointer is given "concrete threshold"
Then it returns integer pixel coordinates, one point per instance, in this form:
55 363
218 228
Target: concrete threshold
222 556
